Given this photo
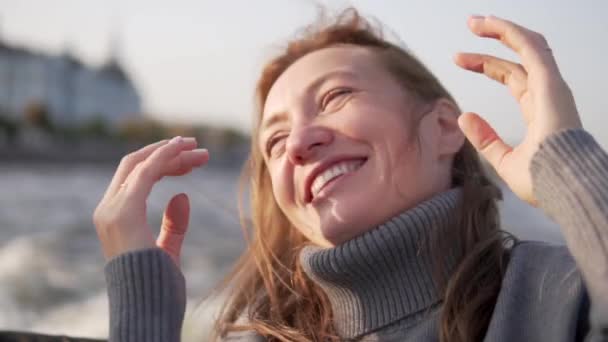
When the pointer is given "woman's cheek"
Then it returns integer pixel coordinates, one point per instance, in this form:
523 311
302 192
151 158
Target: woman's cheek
284 186
354 121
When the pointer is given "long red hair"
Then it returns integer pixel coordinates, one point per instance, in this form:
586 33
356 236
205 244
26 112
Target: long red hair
268 292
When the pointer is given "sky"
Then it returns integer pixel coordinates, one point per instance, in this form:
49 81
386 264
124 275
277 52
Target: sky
196 61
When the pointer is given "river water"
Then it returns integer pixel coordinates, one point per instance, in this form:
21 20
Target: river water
51 264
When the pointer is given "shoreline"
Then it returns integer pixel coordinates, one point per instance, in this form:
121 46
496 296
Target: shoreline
106 155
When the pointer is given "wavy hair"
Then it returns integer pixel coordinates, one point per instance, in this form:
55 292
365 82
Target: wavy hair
267 290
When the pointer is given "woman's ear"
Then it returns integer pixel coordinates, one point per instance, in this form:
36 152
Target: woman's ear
451 137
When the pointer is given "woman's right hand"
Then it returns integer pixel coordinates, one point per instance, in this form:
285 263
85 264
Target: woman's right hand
120 218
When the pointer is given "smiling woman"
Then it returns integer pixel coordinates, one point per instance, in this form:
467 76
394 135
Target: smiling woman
350 132
372 218
367 133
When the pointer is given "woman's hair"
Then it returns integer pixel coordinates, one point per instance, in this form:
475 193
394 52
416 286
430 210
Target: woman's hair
268 292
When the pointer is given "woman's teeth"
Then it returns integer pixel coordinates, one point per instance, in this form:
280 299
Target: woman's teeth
333 172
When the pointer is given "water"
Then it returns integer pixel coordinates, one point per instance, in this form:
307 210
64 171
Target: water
51 264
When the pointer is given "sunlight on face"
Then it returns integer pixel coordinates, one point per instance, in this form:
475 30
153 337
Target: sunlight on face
335 138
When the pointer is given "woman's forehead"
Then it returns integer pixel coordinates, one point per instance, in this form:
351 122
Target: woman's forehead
303 75
315 64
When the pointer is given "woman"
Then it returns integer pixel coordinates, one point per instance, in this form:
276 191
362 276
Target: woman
372 218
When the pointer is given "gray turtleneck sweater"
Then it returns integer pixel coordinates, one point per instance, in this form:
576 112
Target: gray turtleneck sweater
380 283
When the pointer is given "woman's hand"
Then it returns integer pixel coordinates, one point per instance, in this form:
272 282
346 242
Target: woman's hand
120 217
545 99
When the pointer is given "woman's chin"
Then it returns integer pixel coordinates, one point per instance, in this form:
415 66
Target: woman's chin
337 232
339 217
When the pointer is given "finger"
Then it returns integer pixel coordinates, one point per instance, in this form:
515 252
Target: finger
506 72
485 140
511 74
186 161
174 226
180 165
531 46
164 161
128 163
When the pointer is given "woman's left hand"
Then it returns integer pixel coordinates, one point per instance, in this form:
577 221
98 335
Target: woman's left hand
546 101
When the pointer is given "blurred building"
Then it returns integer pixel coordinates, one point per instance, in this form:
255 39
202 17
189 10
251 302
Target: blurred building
71 91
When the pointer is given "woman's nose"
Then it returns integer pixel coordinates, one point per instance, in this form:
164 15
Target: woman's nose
304 142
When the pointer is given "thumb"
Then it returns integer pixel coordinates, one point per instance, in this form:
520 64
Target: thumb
485 140
174 226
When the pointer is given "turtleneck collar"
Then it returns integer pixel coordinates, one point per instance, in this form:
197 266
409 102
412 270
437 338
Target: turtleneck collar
385 274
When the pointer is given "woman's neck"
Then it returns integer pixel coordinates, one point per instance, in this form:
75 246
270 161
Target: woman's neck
388 273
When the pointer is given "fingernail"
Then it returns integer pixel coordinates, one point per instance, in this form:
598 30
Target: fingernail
477 17
189 139
201 150
176 140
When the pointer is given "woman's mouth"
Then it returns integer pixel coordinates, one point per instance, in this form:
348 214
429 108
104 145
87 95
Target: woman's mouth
333 174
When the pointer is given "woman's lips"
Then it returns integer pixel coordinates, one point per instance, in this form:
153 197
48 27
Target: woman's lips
334 182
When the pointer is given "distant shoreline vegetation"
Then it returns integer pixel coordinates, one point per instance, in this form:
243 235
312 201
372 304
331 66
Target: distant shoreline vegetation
36 138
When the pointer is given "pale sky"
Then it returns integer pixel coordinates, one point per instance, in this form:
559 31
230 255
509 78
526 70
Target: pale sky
197 60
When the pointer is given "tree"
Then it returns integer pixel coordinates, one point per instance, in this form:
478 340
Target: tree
96 127
36 114
143 131
8 126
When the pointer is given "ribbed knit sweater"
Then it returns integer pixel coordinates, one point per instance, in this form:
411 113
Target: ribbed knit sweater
380 284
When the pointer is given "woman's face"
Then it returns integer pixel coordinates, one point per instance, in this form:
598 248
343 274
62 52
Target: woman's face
336 138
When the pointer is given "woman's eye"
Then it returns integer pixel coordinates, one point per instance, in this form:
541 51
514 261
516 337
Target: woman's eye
272 144
334 94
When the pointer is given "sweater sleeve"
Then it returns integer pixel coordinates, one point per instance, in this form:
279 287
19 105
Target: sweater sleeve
570 180
147 297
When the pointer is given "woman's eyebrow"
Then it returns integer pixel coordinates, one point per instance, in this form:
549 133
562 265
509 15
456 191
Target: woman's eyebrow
275 118
332 74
